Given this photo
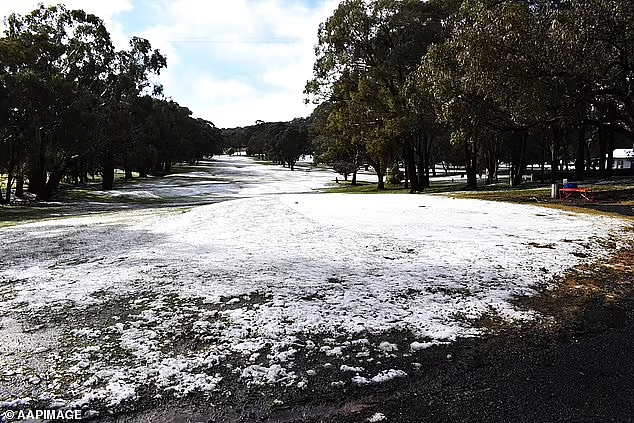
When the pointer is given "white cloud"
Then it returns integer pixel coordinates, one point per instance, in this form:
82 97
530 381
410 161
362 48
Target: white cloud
231 62
260 54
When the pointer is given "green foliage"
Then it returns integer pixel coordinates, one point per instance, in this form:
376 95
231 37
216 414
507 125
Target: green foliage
280 142
519 81
365 56
396 176
70 105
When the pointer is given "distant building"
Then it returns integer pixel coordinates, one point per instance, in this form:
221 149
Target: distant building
623 158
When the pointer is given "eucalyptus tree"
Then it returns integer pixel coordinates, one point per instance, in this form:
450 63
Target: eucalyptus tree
53 59
608 25
333 145
364 58
545 68
129 78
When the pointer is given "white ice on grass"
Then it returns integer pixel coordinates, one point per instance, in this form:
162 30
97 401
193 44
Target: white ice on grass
382 377
377 417
327 266
261 375
417 346
388 346
224 176
345 368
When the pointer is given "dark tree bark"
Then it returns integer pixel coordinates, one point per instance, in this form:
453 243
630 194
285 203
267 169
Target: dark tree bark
423 160
7 200
471 157
410 167
52 185
37 182
554 152
580 168
520 164
381 183
376 165
406 181
19 185
603 146
107 182
128 172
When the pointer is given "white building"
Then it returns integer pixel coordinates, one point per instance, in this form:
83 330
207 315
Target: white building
623 158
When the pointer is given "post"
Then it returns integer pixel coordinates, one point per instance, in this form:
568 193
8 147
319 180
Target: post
554 191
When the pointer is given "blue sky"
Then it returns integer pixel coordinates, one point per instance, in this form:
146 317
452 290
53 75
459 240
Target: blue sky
230 61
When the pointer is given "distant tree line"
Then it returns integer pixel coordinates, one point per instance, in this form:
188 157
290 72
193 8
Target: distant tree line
71 106
407 83
280 142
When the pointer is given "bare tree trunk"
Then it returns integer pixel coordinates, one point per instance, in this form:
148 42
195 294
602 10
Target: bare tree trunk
610 164
603 146
521 161
554 152
471 156
9 182
379 174
410 168
107 182
19 185
580 169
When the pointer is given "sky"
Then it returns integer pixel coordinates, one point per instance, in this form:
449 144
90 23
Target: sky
231 62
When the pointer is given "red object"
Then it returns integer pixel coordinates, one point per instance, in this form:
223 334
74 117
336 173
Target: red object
565 193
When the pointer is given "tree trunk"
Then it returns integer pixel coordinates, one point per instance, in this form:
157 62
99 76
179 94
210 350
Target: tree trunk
423 162
354 177
379 174
610 164
19 185
406 182
7 200
37 182
128 172
471 155
107 182
410 167
554 152
603 146
52 185
37 173
580 168
521 161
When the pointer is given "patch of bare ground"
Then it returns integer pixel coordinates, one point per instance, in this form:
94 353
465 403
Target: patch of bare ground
589 297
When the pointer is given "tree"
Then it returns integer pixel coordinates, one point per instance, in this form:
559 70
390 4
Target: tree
52 58
365 54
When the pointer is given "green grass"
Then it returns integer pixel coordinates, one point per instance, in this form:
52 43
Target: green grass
366 188
17 215
435 188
